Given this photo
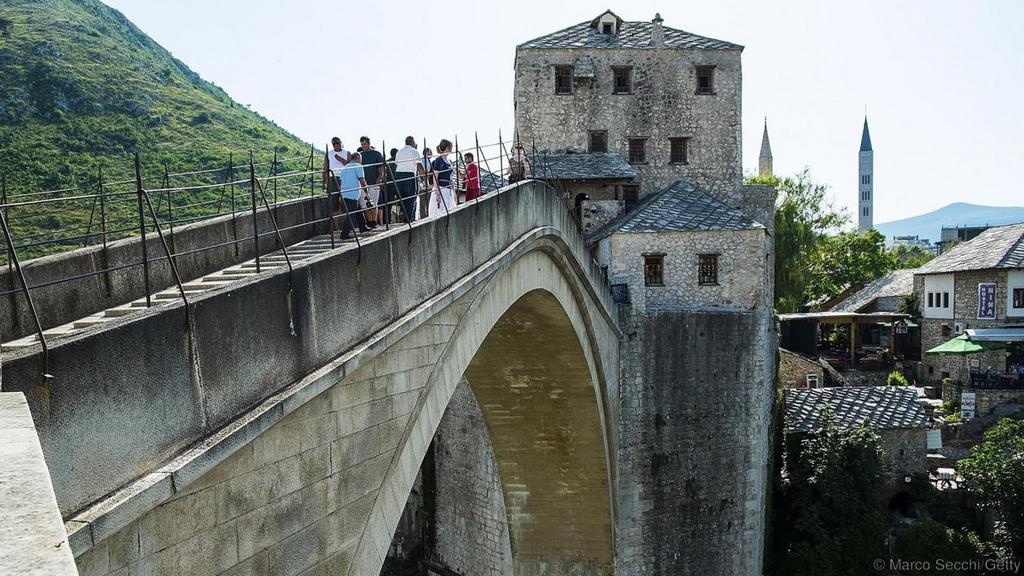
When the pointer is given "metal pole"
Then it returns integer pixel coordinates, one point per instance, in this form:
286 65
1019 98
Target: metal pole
382 184
142 229
28 295
3 200
170 258
170 213
273 173
231 187
277 231
479 159
103 230
311 181
501 162
327 188
252 196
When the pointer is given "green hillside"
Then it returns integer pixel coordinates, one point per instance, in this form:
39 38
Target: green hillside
82 87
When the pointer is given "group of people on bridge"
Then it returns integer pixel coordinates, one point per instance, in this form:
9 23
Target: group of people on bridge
408 186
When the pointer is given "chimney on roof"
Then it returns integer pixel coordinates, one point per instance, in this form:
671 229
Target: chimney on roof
657 32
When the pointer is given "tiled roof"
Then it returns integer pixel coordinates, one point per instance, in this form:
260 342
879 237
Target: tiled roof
999 247
569 166
895 283
629 35
881 406
680 207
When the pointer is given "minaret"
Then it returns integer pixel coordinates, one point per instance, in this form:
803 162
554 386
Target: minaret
764 161
866 214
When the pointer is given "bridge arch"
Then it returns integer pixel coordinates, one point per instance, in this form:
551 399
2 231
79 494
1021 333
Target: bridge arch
527 346
312 470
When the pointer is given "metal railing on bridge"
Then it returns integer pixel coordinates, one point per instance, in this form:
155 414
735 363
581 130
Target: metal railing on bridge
129 207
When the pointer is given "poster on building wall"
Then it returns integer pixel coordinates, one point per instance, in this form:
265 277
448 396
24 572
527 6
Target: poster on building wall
967 405
934 439
987 301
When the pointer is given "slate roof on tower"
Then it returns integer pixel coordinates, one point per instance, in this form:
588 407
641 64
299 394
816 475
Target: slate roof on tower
628 35
578 166
679 208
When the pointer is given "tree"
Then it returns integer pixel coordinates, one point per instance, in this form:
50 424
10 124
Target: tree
803 217
994 472
830 519
910 256
847 258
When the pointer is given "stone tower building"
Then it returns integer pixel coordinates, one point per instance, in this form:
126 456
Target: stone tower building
642 127
667 100
764 160
866 213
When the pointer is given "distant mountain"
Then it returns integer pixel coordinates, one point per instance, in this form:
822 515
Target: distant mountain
929 225
81 86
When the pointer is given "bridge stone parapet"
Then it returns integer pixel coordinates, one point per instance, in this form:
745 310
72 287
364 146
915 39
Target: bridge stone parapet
72 284
140 409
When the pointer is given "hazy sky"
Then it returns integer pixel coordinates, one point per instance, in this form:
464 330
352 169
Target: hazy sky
942 81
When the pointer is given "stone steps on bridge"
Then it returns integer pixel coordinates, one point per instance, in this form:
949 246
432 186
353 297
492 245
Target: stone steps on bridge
271 261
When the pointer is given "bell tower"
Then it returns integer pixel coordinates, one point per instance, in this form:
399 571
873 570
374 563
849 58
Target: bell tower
866 212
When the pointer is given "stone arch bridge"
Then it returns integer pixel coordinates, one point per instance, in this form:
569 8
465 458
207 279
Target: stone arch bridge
280 430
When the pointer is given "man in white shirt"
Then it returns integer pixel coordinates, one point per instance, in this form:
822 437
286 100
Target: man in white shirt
409 168
334 161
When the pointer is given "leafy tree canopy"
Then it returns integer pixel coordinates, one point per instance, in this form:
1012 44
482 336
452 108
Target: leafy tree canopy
994 472
804 216
847 258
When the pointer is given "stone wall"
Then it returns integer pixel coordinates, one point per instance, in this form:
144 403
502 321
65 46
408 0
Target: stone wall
906 451
470 526
985 400
866 378
965 312
295 500
694 433
794 368
596 213
663 105
743 267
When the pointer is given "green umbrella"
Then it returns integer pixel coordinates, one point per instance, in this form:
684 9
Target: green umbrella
962 345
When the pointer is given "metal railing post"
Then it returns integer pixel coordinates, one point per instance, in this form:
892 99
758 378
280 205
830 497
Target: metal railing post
231 188
252 196
28 294
170 257
103 232
501 162
142 229
170 212
273 173
277 231
328 173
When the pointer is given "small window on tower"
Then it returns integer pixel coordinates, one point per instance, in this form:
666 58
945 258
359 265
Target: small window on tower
598 141
623 80
637 150
705 79
707 269
678 151
654 266
563 79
